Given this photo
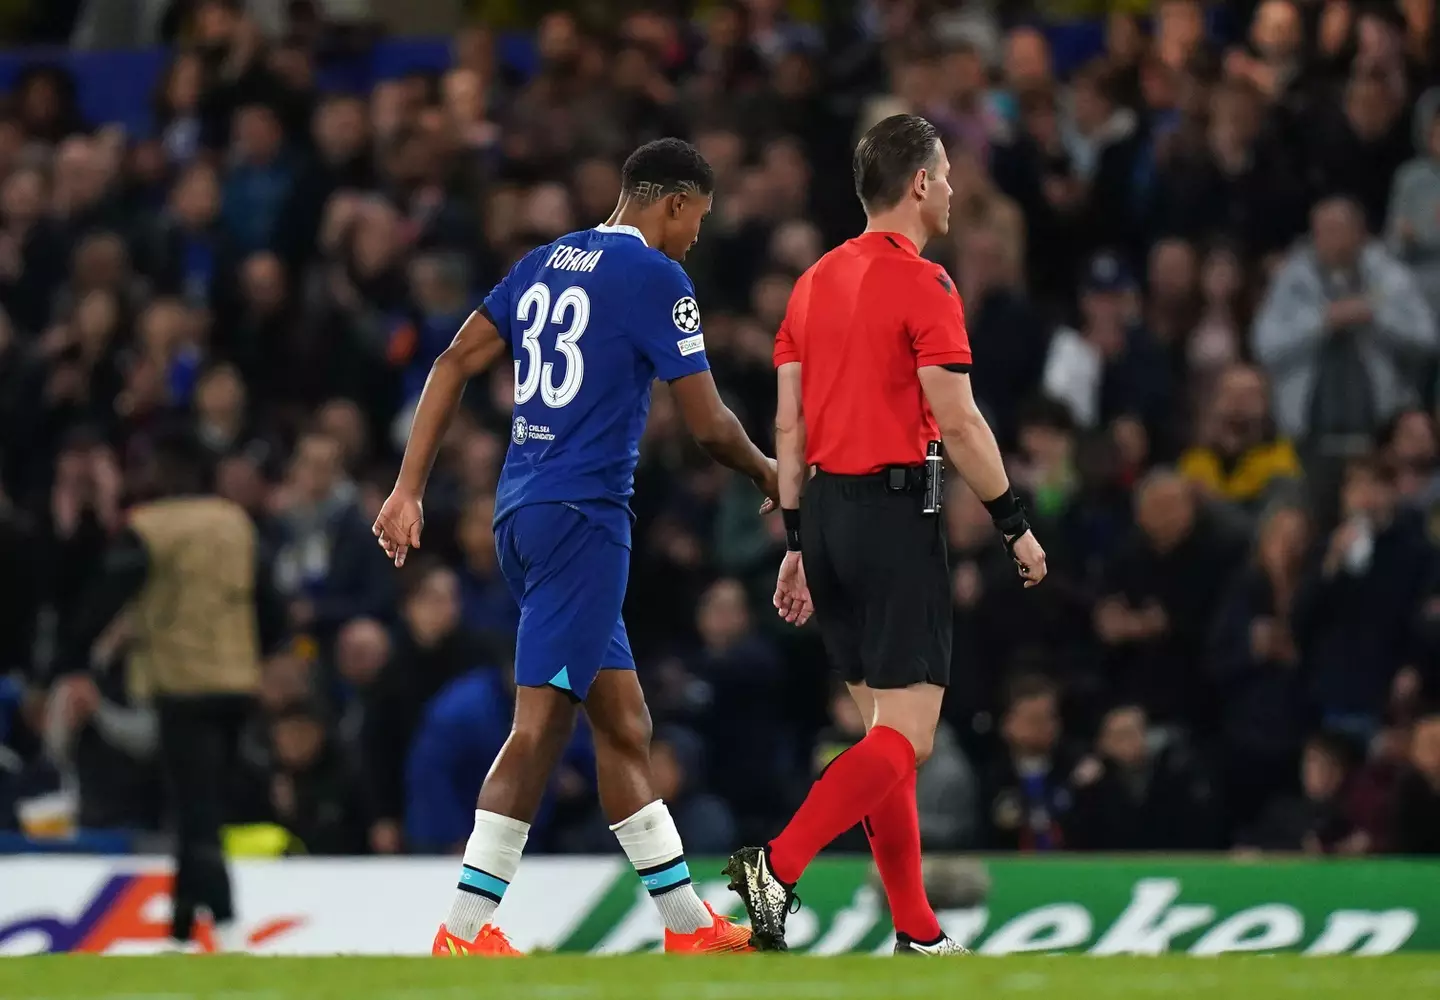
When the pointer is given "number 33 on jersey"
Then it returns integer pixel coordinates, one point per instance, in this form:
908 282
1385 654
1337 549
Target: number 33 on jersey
592 320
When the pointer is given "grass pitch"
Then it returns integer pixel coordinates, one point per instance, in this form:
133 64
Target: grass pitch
759 977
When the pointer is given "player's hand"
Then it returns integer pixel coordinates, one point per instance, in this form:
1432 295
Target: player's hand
792 592
1029 558
769 484
398 527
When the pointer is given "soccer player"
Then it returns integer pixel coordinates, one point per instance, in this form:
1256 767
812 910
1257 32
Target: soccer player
873 366
591 320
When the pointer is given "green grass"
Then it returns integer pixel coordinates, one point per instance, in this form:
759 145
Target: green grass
760 977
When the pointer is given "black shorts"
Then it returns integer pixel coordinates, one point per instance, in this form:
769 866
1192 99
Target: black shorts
879 574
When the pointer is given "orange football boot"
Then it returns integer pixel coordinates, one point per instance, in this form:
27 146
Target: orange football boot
491 942
723 935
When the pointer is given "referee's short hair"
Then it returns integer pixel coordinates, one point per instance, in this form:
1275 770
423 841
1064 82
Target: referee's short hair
889 156
665 167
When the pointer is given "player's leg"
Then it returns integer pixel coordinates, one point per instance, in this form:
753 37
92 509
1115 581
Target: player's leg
538 549
641 822
544 720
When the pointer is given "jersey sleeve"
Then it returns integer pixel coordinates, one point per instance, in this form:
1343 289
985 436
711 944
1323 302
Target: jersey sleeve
665 322
936 321
499 305
786 350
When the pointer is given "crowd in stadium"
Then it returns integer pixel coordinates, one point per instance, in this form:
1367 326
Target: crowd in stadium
1201 277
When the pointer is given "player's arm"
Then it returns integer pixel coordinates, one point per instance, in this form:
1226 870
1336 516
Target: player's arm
666 325
474 349
942 352
717 430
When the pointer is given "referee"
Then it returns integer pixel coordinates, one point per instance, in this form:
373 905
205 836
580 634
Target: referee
873 365
202 609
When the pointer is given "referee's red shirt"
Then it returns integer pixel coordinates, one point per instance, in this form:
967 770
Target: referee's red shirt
861 322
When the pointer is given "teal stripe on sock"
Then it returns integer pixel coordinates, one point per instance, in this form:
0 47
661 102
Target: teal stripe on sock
483 882
671 876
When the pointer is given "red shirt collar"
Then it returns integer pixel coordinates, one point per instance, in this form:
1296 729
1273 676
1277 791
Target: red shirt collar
896 239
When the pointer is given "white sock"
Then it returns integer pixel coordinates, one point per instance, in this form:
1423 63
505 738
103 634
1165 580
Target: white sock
653 846
492 856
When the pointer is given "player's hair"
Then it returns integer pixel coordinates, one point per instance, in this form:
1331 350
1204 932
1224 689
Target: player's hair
889 156
664 167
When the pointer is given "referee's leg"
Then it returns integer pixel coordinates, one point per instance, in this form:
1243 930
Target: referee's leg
893 826
871 540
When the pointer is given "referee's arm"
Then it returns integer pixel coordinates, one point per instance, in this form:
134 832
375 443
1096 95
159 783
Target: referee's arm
790 436
968 437
971 445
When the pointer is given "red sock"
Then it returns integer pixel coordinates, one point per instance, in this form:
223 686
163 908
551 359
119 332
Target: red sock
854 784
894 831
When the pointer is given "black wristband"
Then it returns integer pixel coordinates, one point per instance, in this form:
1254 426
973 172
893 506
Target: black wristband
1008 516
1006 505
792 529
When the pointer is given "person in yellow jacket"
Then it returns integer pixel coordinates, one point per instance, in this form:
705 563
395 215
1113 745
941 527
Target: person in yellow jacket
1240 458
189 573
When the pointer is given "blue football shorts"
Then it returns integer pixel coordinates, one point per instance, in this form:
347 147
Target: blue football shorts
568 572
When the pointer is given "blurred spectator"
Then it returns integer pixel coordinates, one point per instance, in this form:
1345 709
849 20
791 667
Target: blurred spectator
1179 31
734 682
190 253
1110 367
313 790
177 107
1316 821
1225 314
1410 446
1374 786
460 735
1138 793
488 605
1257 668
32 250
1160 593
1354 612
1341 305
1239 457
259 181
1237 184
1026 796
1413 223
1008 337
327 564
45 103
1417 799
677 763
430 650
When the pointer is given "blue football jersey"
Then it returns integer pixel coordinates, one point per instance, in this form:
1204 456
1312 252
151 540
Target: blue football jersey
591 319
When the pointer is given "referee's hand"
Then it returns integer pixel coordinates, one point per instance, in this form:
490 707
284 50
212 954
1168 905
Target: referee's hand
792 592
1029 558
